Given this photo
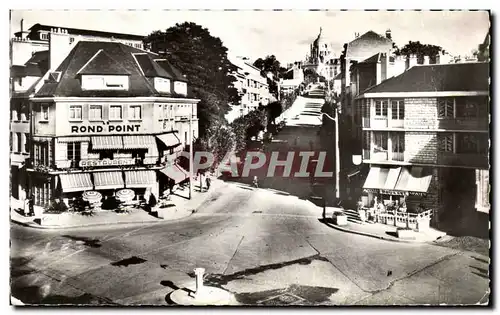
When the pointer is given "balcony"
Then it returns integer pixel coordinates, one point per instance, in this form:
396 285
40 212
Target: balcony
383 156
463 123
463 159
382 123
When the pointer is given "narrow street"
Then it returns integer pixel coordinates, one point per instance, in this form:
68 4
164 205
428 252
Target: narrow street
267 246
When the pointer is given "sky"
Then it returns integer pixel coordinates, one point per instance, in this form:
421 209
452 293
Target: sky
286 34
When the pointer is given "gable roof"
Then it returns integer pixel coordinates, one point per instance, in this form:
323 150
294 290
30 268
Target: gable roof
76 31
85 55
36 66
438 78
367 45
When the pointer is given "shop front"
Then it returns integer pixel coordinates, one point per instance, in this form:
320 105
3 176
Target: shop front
398 188
170 176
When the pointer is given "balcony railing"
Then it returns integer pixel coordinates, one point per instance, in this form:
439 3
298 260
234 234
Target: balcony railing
383 156
463 159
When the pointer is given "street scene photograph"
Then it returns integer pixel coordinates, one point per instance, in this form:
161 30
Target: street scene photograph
250 158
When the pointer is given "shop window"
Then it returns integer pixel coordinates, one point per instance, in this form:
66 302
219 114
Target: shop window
95 112
446 108
75 112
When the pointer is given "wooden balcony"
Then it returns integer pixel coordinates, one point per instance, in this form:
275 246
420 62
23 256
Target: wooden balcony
463 159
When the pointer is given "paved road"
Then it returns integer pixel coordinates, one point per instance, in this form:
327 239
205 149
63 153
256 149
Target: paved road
265 246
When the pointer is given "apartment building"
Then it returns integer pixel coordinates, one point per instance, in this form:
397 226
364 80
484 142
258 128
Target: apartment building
426 139
109 116
251 86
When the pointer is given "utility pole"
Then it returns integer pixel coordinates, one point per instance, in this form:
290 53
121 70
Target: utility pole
337 150
191 153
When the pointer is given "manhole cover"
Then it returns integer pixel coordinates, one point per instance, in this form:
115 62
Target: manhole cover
283 299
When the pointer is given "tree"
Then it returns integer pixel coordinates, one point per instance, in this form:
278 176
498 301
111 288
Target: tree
421 50
270 65
248 126
202 58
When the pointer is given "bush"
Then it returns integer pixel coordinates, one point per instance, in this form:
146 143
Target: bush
56 207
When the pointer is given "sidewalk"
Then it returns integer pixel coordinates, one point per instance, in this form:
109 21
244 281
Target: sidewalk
381 231
183 208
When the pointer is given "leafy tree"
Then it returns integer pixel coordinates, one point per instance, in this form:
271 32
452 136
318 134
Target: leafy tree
421 50
202 58
248 126
270 65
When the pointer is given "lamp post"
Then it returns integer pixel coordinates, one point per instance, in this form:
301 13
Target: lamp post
329 99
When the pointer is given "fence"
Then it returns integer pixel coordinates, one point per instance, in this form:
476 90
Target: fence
403 219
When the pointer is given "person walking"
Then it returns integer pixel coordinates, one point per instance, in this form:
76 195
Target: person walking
208 181
255 182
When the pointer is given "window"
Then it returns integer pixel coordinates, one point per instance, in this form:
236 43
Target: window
105 82
398 142
186 137
180 87
19 142
380 139
74 151
115 112
44 36
446 108
398 109
26 143
75 112
446 142
162 85
467 107
12 141
71 40
381 108
134 112
366 140
472 143
45 112
95 112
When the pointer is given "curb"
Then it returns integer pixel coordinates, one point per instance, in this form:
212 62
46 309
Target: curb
61 227
375 235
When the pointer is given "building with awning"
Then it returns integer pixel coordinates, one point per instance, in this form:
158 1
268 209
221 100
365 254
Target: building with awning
169 139
107 142
75 182
108 180
140 179
175 172
138 142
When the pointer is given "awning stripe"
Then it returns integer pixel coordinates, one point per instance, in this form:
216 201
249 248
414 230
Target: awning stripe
75 182
138 142
73 139
140 179
169 139
175 172
107 143
382 178
108 180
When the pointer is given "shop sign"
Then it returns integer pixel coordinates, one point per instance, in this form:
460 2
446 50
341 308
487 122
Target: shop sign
394 192
105 129
107 162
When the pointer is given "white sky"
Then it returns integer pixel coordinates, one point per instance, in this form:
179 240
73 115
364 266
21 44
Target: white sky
286 34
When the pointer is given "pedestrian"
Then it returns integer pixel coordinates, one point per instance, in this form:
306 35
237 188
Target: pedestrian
208 182
31 204
255 182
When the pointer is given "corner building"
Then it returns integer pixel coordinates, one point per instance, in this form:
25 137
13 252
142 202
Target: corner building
110 116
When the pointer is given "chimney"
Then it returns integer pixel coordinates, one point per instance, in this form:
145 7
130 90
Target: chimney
426 60
22 28
411 61
388 34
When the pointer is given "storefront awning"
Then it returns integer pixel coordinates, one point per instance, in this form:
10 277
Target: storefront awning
416 179
169 139
140 179
73 139
107 143
75 182
384 178
138 142
175 172
108 180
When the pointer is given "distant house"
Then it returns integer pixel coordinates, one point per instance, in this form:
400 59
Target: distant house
425 138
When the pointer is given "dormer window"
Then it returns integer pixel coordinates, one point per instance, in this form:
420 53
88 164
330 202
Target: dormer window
162 85
55 76
180 87
104 82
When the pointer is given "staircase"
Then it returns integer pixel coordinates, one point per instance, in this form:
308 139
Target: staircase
316 92
353 216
